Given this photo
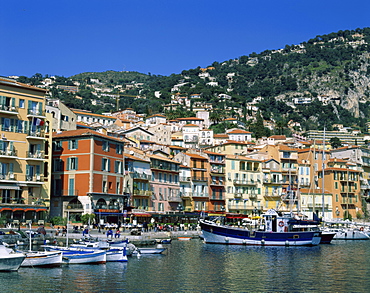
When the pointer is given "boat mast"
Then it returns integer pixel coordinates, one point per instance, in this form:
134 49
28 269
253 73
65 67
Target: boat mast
323 174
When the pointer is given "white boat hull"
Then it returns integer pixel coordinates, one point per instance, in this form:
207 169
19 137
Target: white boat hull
10 260
350 235
85 258
116 255
42 259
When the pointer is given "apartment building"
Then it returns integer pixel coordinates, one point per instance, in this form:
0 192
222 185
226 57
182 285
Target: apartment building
88 174
25 151
165 184
217 163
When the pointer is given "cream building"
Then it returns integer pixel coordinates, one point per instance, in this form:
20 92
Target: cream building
25 151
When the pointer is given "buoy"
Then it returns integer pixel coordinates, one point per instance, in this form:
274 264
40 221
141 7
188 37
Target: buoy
286 243
226 239
263 242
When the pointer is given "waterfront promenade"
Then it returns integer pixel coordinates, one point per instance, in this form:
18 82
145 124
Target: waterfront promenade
142 239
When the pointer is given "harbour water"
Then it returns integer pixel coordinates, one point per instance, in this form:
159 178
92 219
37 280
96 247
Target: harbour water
192 266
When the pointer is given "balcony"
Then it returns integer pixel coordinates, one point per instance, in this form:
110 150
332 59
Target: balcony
186 194
217 182
8 176
217 161
317 205
238 195
8 153
217 197
36 135
36 113
174 168
274 194
35 178
141 176
269 181
11 110
147 193
38 155
185 179
198 194
245 182
174 199
200 179
74 206
217 170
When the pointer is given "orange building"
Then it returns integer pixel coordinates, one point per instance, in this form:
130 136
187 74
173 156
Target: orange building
88 171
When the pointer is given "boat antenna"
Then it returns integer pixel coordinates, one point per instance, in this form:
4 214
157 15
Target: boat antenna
323 175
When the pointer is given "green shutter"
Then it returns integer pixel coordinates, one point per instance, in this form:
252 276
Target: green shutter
38 170
40 108
27 170
76 164
102 164
68 163
11 167
13 102
108 165
116 166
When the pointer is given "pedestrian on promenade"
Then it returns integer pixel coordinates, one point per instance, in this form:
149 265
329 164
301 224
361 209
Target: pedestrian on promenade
64 231
110 233
117 234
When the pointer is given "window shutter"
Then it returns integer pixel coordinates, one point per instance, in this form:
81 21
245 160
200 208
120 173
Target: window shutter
11 167
27 170
76 164
68 163
108 165
116 166
102 164
29 105
69 144
40 108
13 102
37 170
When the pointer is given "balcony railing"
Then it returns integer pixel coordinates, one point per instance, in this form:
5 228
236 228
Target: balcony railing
142 192
8 109
198 194
317 205
217 197
199 179
35 178
35 155
36 134
75 206
245 182
217 182
174 199
269 181
217 170
8 176
186 194
141 176
8 153
185 179
161 167
36 112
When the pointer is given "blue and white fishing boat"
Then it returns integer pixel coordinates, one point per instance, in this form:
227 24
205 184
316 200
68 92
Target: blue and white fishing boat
273 230
79 256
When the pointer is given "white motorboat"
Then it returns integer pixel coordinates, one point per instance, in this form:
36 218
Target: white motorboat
149 250
349 234
42 259
9 259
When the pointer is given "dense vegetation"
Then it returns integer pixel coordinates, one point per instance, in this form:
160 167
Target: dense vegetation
334 65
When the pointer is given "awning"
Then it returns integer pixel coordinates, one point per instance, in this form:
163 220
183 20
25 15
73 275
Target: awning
10 187
141 215
41 210
6 209
18 209
107 214
29 210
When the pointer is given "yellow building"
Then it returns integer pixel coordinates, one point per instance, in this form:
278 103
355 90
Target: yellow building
243 185
25 151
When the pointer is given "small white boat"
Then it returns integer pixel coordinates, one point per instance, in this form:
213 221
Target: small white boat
85 256
9 259
349 234
164 241
79 256
148 250
42 259
116 254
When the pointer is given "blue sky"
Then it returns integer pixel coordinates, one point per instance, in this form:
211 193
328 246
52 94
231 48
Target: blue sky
68 37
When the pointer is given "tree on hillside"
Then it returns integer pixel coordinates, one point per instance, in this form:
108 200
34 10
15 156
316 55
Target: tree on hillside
335 142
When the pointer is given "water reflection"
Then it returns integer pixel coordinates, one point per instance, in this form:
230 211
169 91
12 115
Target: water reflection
191 266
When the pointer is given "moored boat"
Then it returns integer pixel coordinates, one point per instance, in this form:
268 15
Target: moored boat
9 259
148 250
42 259
274 230
349 234
79 256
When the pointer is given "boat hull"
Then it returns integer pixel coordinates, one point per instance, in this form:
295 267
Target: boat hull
149 250
43 259
10 260
90 257
116 255
218 234
327 237
351 235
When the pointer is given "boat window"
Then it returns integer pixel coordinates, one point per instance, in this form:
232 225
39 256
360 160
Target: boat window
295 236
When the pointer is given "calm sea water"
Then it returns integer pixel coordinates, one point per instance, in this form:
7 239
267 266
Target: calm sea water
192 266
